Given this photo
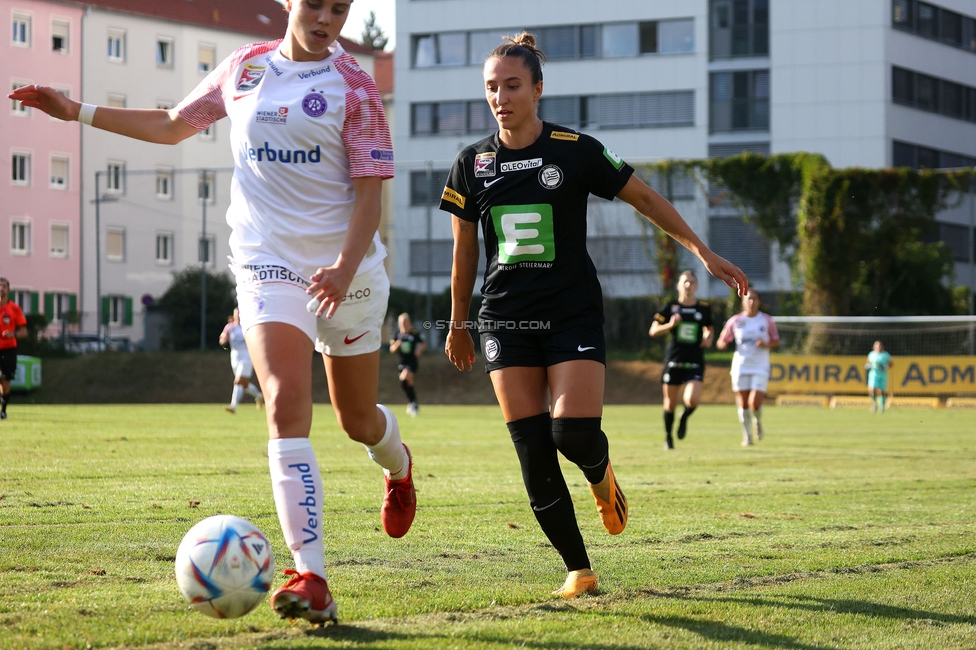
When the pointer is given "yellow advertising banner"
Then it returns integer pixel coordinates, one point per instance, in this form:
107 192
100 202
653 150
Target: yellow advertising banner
846 375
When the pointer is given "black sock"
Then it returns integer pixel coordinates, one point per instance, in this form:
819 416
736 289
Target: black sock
668 422
549 497
3 402
408 391
687 414
582 442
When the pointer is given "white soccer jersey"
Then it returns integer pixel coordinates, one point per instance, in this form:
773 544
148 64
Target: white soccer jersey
746 331
300 132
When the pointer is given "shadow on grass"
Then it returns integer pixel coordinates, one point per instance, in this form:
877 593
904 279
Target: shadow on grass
352 635
836 606
716 631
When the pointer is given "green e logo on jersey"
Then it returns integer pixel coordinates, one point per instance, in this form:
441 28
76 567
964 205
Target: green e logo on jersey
524 233
687 332
614 159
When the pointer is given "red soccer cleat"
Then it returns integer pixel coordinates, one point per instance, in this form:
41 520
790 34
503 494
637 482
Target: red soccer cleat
399 503
306 596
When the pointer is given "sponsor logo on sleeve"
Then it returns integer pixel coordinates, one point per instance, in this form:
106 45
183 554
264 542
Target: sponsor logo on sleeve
453 197
614 159
250 77
383 155
563 135
550 177
520 165
484 165
314 104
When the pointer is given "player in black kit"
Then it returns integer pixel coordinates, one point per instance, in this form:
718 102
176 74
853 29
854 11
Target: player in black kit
410 345
689 321
541 321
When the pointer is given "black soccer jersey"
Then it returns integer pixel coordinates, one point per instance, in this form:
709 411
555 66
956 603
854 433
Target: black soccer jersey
531 203
409 342
684 346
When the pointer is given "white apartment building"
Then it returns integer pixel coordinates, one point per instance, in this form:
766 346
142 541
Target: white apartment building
871 83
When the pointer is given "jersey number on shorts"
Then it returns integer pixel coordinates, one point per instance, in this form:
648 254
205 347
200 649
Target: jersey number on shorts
524 233
687 333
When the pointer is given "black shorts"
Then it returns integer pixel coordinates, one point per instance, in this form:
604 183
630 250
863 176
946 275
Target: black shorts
8 363
542 348
677 373
408 365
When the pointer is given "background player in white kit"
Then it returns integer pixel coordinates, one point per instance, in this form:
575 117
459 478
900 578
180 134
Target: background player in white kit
240 363
311 148
755 335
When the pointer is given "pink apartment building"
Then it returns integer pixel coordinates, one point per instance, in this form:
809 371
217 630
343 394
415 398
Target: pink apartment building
41 160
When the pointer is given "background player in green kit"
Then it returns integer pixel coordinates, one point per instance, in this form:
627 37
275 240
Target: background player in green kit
410 345
879 360
689 321
541 321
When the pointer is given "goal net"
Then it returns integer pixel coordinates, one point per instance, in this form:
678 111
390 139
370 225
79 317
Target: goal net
939 336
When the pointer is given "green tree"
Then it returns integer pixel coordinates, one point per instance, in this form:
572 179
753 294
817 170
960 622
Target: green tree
373 36
182 302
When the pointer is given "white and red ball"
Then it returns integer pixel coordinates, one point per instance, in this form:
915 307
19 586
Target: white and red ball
224 566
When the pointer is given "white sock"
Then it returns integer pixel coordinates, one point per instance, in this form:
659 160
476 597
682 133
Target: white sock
237 395
745 417
757 414
389 452
297 487
252 390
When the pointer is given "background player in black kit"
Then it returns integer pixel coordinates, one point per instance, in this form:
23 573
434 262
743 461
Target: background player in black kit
689 321
542 315
410 345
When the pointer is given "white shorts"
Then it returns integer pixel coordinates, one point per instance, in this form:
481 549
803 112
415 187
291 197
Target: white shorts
354 329
241 363
752 381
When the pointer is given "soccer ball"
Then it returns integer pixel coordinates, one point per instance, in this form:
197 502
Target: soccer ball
224 566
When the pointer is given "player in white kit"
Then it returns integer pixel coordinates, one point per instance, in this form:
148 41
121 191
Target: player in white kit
754 334
240 363
311 148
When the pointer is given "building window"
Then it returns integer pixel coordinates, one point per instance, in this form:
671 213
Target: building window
932 94
116 311
209 133
481 44
739 101
738 28
205 187
115 177
59 36
22 30
20 237
59 173
164 248
424 191
742 243
20 168
207 250
59 240
431 50
164 104
26 300
164 53
206 58
116 101
116 45
621 39
58 306
934 23
676 36
905 154
164 184
16 107
115 244
431 258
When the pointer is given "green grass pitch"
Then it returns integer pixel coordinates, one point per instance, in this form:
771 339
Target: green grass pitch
841 530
